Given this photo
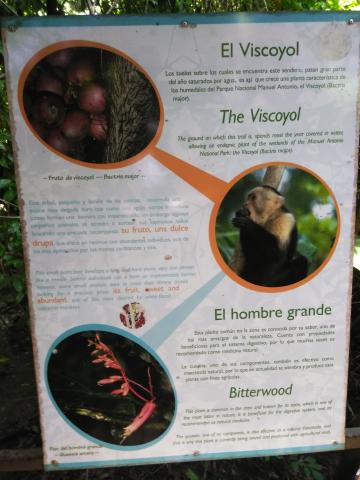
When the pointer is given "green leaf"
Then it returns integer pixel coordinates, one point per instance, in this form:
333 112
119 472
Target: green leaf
10 195
19 297
317 475
4 182
4 360
191 475
4 163
18 284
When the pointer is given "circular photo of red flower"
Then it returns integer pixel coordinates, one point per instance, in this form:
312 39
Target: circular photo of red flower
110 387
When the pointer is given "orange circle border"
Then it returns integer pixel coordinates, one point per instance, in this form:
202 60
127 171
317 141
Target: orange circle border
225 267
41 54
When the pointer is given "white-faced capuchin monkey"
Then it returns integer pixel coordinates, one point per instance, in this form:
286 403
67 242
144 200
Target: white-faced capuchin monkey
266 253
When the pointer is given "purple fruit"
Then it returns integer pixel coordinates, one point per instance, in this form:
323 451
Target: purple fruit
80 72
49 83
98 127
61 58
92 98
48 109
57 140
76 125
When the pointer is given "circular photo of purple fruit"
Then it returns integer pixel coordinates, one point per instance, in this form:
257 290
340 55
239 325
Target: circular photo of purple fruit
90 104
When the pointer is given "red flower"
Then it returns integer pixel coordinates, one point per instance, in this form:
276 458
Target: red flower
100 359
144 414
105 355
123 390
112 379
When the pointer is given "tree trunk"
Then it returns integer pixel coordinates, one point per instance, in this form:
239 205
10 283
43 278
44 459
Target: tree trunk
52 7
273 176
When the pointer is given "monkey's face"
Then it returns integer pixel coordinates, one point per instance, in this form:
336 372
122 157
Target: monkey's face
262 203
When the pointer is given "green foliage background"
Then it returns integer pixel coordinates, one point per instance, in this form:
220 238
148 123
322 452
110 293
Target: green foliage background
14 334
304 194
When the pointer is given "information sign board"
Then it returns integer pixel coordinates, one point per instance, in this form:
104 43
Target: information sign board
187 191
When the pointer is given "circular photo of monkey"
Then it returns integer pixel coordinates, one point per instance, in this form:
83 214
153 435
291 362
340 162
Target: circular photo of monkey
109 387
89 103
276 227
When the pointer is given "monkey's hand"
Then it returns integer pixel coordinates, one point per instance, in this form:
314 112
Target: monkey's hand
240 221
241 218
243 212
